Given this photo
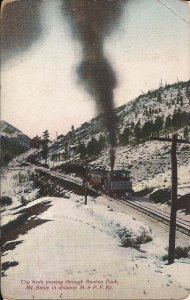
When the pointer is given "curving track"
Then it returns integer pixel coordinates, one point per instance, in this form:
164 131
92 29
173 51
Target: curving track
162 217
182 226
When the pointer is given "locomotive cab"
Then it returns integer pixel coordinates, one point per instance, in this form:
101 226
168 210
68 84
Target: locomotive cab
120 175
118 182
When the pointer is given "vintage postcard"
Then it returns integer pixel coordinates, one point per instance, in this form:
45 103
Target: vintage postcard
95 149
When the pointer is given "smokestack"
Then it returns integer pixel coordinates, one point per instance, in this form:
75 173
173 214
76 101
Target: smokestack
112 158
91 22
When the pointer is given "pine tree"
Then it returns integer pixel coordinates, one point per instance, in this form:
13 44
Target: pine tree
177 118
36 142
187 92
168 123
81 150
93 148
66 150
132 126
45 141
137 131
158 125
102 142
159 98
181 101
185 132
147 129
124 137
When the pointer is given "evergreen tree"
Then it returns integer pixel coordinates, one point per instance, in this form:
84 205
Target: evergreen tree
181 101
180 118
187 92
147 129
137 131
185 132
132 125
158 125
177 118
93 147
168 123
36 142
66 150
124 137
179 91
159 98
102 142
45 141
81 150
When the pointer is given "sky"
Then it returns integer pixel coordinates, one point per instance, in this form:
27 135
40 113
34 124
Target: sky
40 87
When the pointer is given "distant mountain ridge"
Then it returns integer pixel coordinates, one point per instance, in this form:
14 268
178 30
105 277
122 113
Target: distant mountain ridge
13 142
9 131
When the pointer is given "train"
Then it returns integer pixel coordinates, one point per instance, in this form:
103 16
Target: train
117 182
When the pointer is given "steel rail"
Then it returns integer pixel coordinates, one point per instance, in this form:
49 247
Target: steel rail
159 216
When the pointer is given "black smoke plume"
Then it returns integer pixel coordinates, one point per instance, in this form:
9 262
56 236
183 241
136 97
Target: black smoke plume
91 22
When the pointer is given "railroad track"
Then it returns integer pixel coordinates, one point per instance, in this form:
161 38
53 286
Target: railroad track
162 217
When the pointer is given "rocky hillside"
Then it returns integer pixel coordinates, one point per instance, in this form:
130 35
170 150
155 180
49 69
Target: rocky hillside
13 142
160 112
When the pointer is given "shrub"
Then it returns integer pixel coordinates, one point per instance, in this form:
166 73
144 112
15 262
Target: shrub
180 252
143 192
144 238
161 196
23 200
128 240
6 200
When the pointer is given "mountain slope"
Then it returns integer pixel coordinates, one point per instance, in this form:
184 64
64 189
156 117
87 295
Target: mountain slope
13 142
11 132
149 161
170 102
164 102
160 112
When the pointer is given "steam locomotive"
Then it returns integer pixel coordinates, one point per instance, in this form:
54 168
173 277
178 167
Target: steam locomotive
116 182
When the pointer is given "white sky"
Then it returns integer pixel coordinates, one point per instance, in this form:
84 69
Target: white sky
40 89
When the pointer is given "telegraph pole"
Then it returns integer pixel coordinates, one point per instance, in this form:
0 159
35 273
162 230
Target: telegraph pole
174 141
86 183
171 251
